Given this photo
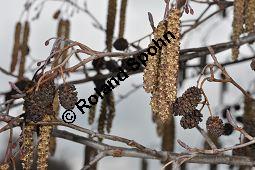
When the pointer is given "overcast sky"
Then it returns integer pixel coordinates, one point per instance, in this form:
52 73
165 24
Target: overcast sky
133 115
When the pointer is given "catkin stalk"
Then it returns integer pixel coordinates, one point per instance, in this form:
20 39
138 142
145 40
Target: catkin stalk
44 144
112 9
15 51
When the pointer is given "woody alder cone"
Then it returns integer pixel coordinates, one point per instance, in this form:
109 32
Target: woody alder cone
193 94
67 95
39 103
188 101
191 120
215 126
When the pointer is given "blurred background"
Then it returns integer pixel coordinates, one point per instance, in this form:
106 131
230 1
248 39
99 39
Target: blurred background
133 115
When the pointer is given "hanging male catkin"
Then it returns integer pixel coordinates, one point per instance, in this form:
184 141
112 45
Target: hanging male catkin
102 117
237 26
92 114
123 8
249 16
112 9
24 50
111 112
15 51
44 144
169 67
27 147
53 142
164 82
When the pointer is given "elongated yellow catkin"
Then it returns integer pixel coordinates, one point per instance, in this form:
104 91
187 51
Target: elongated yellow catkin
24 50
15 51
53 142
27 147
44 144
237 25
4 166
112 9
150 77
165 91
250 15
123 8
169 66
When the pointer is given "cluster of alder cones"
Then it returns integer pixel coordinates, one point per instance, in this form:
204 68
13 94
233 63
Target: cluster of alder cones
39 105
186 106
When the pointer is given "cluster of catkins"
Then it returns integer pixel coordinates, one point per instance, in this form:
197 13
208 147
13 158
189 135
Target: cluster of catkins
107 110
160 74
20 48
243 22
39 106
186 106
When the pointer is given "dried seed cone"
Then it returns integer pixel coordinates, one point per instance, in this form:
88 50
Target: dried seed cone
112 9
67 95
150 77
191 120
250 15
188 101
38 103
24 50
4 166
15 51
237 25
44 144
28 147
111 112
215 126
123 8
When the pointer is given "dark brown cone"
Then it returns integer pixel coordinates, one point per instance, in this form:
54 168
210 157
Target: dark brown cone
215 126
253 64
67 95
182 106
39 103
120 44
188 102
191 120
193 95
